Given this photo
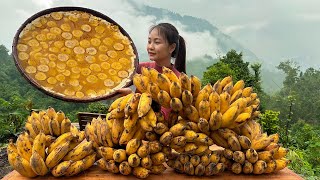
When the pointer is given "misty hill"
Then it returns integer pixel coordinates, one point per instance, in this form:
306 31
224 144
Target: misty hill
271 78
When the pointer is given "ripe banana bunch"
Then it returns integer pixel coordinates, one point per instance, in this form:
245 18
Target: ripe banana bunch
139 157
250 151
196 165
41 150
49 122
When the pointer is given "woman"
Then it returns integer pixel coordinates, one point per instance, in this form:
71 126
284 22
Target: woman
164 45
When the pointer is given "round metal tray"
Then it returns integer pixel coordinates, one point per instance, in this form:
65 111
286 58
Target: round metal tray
65 9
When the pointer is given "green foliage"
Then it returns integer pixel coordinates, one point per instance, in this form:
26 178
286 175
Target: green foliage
269 121
98 107
303 88
305 142
232 64
299 164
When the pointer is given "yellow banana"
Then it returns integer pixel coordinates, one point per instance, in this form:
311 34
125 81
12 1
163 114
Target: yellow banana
60 140
80 151
280 153
223 83
273 147
281 163
247 167
144 149
236 95
89 160
51 112
141 82
259 167
247 92
12 152
65 126
127 135
163 82
166 138
234 143
164 99
125 168
57 154
122 104
24 146
175 90
246 131
195 85
195 160
39 145
61 168
102 164
271 167
177 129
160 128
203 125
199 170
236 168
214 100
203 95
144 124
23 167
158 158
75 168
155 146
60 116
265 156
116 131
217 139
37 164
204 109
154 90
239 85
153 75
215 120
185 82
28 127
145 71
115 103
144 104
132 146
158 169
252 155
170 75
190 148
186 98
245 142
192 113
229 116
106 152
239 157
54 127
261 143
140 134
134 160
228 87
140 172
176 104
275 137
224 102
130 121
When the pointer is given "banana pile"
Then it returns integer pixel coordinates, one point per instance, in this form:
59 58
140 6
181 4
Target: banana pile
129 117
248 150
139 158
206 165
50 144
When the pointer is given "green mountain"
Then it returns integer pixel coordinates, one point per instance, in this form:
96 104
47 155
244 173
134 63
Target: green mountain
271 78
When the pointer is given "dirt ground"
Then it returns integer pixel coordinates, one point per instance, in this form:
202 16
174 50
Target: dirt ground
5 167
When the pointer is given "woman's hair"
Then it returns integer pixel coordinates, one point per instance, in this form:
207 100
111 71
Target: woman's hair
171 34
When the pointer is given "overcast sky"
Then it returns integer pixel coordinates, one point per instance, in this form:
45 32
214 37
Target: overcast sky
274 30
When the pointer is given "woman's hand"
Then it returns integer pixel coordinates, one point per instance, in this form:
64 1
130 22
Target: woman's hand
124 91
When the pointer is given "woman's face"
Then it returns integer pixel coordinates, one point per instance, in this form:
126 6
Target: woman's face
158 48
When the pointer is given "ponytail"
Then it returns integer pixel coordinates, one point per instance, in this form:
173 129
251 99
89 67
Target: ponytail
180 62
